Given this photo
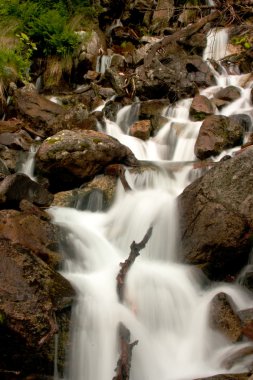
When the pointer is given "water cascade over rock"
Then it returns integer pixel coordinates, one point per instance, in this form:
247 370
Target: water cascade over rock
152 143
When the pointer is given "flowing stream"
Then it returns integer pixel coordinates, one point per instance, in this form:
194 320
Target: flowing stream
166 304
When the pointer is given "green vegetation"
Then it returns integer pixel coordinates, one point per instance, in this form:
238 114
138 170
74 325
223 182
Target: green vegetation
244 41
42 29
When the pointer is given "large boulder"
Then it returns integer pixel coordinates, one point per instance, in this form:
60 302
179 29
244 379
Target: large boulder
35 305
71 157
216 218
217 133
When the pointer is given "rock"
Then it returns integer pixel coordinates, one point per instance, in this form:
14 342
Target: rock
35 304
177 77
242 119
76 117
246 317
32 232
229 93
200 108
117 80
224 318
12 125
103 186
216 134
141 129
11 158
91 46
35 108
71 157
162 14
151 108
16 187
216 218
16 140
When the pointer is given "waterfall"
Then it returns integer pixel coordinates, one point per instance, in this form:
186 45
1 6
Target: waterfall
28 165
166 305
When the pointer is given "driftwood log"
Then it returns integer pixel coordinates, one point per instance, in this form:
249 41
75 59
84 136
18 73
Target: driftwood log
126 348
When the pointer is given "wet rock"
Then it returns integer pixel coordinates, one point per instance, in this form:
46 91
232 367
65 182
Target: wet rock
141 129
16 187
151 108
71 157
216 134
200 108
216 217
103 186
224 318
228 94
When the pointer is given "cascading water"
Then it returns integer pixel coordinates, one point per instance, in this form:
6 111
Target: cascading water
28 165
166 306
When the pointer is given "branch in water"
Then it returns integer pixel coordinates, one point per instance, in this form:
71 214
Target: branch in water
126 348
135 252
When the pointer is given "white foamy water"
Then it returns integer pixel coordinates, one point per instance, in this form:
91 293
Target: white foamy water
28 165
166 304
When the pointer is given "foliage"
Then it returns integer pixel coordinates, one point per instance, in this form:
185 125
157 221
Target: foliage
244 41
48 25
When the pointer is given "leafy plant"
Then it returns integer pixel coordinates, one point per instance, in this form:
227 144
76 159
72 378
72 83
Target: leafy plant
245 41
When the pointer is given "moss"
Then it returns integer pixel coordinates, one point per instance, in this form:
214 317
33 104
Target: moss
52 140
2 318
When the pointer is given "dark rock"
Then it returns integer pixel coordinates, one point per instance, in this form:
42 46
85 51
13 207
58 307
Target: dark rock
16 187
35 304
177 76
216 217
216 134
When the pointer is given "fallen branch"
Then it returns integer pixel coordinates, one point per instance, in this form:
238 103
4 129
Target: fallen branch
182 33
135 252
126 348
